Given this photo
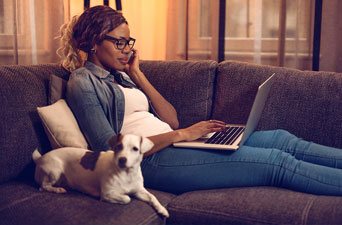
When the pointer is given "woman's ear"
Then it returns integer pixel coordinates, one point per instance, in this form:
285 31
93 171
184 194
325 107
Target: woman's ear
93 50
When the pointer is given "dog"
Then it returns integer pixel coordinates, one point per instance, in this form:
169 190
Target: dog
112 175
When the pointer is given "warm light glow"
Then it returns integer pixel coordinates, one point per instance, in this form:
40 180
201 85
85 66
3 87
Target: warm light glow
76 7
147 21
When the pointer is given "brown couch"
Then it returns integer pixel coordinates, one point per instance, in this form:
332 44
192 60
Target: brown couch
308 104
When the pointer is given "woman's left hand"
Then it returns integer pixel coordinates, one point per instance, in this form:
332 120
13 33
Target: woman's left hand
200 129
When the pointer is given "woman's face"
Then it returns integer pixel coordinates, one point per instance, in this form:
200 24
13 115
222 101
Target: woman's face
107 55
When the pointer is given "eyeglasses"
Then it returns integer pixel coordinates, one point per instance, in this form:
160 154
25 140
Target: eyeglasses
121 43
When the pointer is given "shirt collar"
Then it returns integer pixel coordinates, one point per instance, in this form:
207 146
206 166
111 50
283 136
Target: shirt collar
96 70
120 77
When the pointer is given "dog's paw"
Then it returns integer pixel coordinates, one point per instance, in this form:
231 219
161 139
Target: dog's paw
117 199
61 190
124 200
162 211
58 190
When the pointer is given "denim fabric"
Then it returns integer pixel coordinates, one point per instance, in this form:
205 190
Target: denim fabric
268 158
97 103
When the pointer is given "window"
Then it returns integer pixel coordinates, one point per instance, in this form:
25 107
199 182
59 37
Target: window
252 27
8 21
28 29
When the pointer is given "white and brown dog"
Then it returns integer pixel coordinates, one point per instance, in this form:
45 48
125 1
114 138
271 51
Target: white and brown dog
113 175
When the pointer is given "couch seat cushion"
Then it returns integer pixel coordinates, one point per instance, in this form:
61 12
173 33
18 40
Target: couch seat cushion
22 203
255 205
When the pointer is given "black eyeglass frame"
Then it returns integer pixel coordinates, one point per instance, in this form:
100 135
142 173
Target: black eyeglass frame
116 41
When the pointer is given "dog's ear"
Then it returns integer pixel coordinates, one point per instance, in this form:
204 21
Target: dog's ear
145 144
114 140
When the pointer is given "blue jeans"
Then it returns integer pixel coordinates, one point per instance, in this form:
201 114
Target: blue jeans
268 158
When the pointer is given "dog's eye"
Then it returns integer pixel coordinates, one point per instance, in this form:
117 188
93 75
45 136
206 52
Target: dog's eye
135 149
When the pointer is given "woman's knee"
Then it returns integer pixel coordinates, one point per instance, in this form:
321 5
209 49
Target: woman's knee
269 138
283 133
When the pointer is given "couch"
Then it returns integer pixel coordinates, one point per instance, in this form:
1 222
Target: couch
306 103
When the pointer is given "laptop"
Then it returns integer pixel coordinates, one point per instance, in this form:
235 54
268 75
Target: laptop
234 135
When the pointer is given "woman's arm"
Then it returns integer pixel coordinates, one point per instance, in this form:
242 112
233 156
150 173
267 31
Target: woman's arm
187 134
164 109
84 103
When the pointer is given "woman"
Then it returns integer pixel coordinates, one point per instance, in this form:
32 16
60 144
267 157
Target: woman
107 101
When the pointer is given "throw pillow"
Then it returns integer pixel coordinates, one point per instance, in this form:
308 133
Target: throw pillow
61 126
57 88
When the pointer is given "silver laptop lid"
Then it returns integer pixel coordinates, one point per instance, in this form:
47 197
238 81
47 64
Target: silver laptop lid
257 108
252 122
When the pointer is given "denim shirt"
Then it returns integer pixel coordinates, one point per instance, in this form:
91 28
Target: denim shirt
97 103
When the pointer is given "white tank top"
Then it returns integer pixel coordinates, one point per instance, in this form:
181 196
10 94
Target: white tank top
137 119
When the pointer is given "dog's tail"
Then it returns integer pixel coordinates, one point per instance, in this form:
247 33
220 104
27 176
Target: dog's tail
36 155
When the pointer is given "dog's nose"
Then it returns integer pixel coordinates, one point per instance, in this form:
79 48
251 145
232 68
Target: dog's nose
122 161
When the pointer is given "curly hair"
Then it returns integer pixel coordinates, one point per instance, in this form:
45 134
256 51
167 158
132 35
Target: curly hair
79 36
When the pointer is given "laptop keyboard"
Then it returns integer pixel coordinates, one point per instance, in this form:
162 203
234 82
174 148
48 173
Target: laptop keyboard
227 136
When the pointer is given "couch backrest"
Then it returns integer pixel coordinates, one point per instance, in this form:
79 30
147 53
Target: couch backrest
306 103
23 89
188 85
236 86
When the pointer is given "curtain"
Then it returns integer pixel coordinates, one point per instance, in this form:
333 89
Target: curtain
28 30
177 30
331 45
272 32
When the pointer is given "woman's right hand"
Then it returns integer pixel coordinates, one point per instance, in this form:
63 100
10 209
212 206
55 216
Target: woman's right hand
186 134
132 67
202 128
